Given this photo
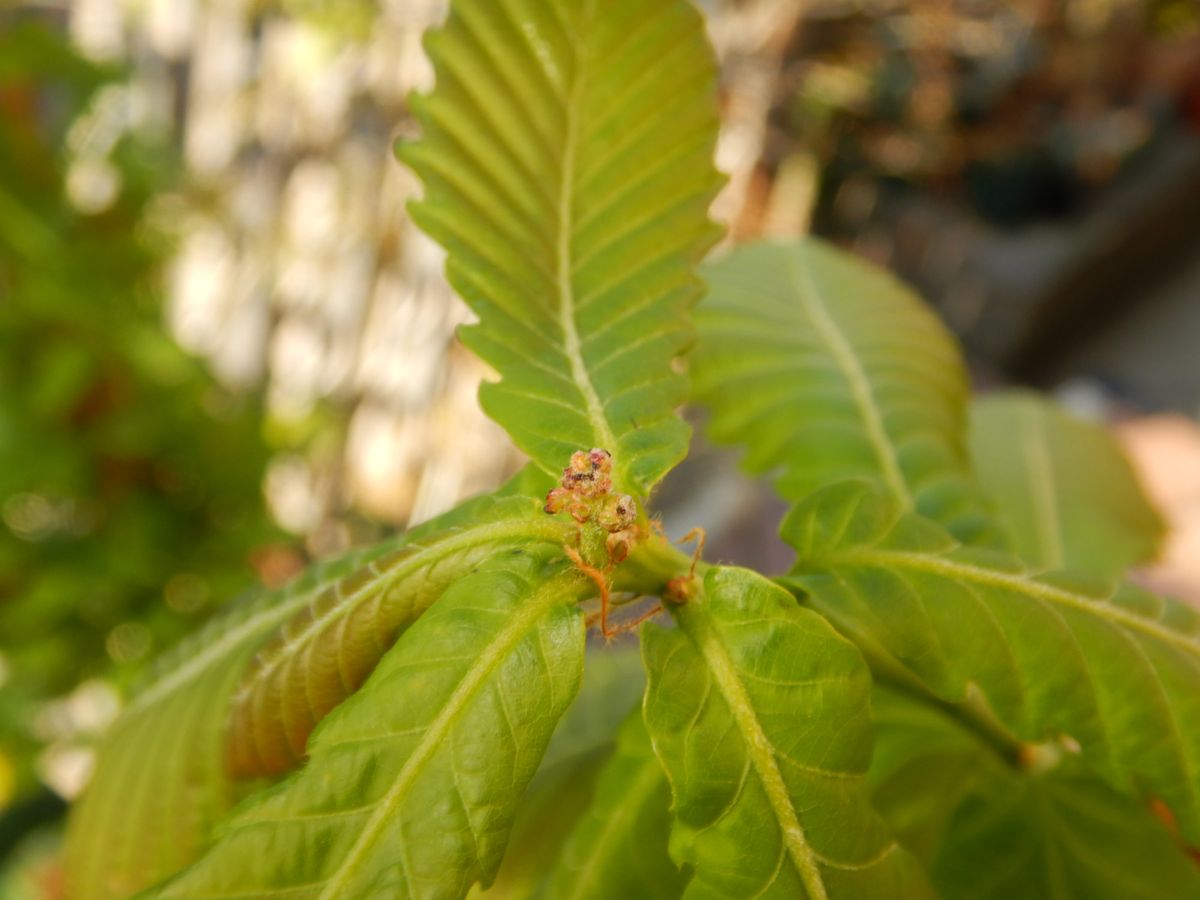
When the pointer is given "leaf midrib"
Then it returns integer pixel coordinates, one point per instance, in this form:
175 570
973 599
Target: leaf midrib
531 611
852 371
1024 585
699 627
564 263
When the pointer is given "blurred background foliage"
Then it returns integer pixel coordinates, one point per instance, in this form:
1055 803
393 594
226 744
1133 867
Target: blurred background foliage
130 481
224 349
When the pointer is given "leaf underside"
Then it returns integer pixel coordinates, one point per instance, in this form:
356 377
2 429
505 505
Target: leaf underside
571 218
1054 658
137 822
825 368
759 713
990 832
411 785
161 780
326 651
1063 486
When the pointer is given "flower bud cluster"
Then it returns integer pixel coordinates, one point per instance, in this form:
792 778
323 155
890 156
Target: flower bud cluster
585 492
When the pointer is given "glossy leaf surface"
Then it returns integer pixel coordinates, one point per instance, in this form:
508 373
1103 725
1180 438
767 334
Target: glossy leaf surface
412 784
760 715
825 368
573 220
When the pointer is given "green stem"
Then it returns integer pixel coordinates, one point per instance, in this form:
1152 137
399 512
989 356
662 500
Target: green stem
651 565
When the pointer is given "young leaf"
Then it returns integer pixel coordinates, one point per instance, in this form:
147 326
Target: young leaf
326 650
138 823
411 784
567 163
989 830
760 715
620 848
1063 486
1116 673
160 780
826 368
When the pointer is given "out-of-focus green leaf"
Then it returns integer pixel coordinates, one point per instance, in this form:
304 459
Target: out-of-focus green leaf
760 715
572 219
1062 485
992 831
619 848
412 784
1060 835
824 368
922 768
1053 657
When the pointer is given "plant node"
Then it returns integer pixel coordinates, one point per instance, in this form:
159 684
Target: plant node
608 523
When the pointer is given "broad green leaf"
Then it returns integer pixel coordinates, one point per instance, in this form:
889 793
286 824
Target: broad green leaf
137 823
1054 659
620 848
824 368
567 163
1063 486
760 714
991 831
411 784
326 650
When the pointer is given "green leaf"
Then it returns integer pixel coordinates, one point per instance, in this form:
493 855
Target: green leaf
826 368
1054 659
567 163
160 780
1063 486
326 650
1056 835
620 848
558 797
412 784
138 823
562 789
991 831
923 767
760 715
612 685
